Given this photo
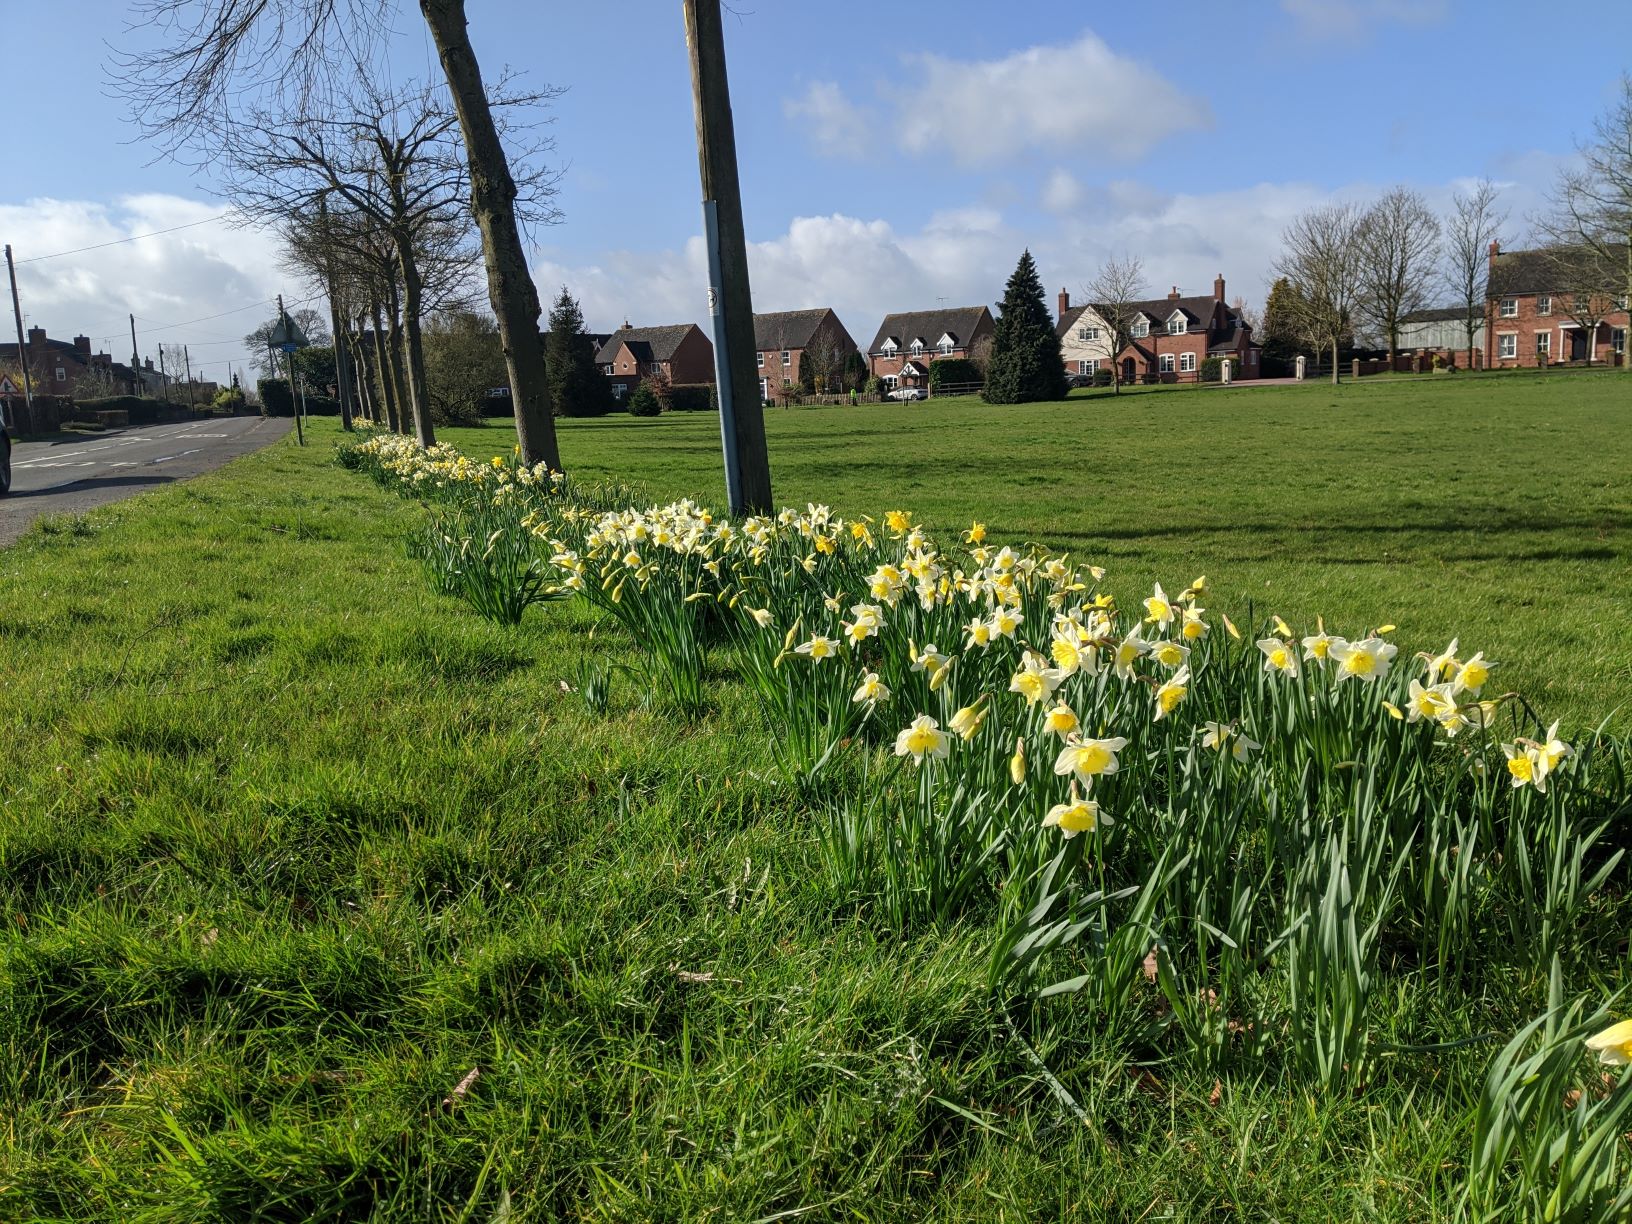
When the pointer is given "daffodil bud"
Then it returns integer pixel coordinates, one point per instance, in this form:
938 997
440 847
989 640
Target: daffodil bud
1017 762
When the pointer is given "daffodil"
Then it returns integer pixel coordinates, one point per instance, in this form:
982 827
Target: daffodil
819 647
968 721
1061 720
1171 693
1078 816
1473 675
975 534
1429 702
1005 621
1017 762
1127 654
1551 751
1066 653
1279 656
1194 627
1224 737
1087 759
1318 646
1443 665
1035 681
1158 610
978 632
1280 626
922 738
1367 660
1524 767
1169 654
872 690
1614 1044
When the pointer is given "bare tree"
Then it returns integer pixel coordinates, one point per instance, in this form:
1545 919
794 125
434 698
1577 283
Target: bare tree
1112 294
1591 206
1399 251
1321 261
209 55
1475 222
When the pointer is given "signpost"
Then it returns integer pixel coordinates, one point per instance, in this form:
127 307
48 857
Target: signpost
288 339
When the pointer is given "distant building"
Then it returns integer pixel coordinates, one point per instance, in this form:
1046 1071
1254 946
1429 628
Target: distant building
679 352
57 367
908 343
785 337
1536 311
1169 339
1440 330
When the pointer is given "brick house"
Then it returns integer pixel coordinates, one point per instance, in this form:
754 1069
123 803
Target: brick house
907 344
680 352
56 366
784 337
1170 338
1535 316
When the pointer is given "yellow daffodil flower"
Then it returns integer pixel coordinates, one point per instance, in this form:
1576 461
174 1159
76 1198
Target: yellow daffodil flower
872 690
922 738
1035 681
1005 621
1077 816
975 534
819 647
1279 656
1431 702
1158 610
1367 661
1087 759
1169 654
1473 675
978 632
1522 766
1194 626
1223 737
1172 693
1613 1045
1127 654
1061 720
1281 627
968 721
1318 646
1443 665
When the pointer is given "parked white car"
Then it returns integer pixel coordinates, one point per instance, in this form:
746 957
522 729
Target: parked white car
908 393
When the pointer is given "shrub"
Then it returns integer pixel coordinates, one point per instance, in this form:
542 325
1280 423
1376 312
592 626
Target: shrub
1212 369
276 401
228 400
950 371
1102 378
141 409
874 387
693 397
644 401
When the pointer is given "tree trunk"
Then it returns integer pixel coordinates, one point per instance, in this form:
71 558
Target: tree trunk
413 349
393 352
359 369
382 372
1335 378
510 286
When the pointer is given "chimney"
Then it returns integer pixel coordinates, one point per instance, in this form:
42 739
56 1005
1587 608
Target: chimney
626 326
36 340
1495 247
83 345
1065 302
1218 287
1174 296
147 364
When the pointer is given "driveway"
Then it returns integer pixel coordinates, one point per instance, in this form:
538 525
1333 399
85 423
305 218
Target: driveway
68 475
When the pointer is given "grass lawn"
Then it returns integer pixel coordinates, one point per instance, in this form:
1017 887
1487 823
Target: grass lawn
1498 508
289 844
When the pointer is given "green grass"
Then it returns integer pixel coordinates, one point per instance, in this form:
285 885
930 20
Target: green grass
288 844
1498 507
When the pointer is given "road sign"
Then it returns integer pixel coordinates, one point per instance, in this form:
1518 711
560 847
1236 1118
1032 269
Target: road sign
288 347
287 336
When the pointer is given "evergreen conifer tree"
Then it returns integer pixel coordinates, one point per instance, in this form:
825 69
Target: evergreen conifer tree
1026 365
577 387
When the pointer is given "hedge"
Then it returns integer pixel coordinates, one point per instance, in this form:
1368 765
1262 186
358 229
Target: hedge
142 409
953 370
275 398
693 397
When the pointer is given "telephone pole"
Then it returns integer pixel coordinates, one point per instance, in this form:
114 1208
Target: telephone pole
22 352
730 304
135 361
289 361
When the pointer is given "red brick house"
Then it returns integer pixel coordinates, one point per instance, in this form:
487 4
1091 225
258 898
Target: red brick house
1536 316
908 343
785 337
56 366
680 353
1170 338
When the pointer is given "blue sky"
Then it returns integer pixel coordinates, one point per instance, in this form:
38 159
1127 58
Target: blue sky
888 161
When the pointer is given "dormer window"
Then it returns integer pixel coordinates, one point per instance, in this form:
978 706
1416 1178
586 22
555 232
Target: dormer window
917 349
889 346
945 345
1140 329
1177 325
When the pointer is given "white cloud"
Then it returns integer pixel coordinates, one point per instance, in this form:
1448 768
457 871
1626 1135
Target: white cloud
1079 97
1062 193
1357 18
170 278
829 120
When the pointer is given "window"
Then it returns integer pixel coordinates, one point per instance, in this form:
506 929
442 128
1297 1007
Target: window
787 359
1091 366
617 390
764 387
1617 341
944 348
1580 303
1187 363
1087 333
889 348
607 368
62 374
1166 366
1544 343
1620 302
1507 345
787 382
761 357
1510 308
1139 330
1177 326
889 380
1544 305
917 349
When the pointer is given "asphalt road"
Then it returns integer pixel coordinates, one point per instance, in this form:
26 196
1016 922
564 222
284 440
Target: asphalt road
72 474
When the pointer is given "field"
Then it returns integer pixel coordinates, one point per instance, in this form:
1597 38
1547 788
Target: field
290 844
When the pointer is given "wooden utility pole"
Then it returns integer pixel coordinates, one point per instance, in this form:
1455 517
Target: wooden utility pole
289 354
730 304
22 351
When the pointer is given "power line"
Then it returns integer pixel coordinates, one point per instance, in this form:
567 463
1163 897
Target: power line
133 238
